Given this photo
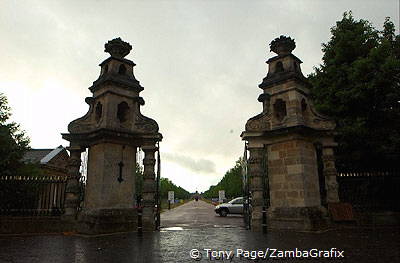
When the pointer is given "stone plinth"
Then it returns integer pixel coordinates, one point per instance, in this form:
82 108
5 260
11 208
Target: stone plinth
112 220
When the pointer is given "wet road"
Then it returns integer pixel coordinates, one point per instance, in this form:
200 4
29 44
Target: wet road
362 245
198 215
191 226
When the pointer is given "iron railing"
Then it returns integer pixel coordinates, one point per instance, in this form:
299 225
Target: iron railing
370 191
32 195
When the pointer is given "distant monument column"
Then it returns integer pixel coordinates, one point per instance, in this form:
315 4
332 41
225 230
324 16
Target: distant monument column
112 130
289 128
149 187
72 191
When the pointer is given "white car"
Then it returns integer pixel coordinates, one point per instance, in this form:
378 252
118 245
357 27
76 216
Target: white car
234 206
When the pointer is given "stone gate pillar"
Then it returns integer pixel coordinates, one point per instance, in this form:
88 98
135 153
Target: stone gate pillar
149 187
290 127
72 191
112 130
255 172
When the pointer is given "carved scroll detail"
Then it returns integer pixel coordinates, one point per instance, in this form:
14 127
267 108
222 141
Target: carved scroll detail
145 124
260 122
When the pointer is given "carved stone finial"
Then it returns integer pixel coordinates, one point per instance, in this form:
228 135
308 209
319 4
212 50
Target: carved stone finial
117 48
282 45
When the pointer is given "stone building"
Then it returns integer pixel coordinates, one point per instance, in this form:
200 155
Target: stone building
52 162
286 141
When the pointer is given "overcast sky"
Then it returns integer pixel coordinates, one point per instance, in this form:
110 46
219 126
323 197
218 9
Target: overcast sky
199 61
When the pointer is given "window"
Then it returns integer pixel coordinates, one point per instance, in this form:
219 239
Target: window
280 109
122 112
98 111
279 67
122 69
237 201
303 105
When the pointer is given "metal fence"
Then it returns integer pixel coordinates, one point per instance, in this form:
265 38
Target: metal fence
32 195
370 191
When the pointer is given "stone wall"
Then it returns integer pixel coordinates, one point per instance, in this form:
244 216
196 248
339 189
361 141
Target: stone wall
34 224
103 189
293 174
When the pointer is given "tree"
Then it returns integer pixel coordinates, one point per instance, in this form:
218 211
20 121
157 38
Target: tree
13 142
232 183
166 185
13 145
358 84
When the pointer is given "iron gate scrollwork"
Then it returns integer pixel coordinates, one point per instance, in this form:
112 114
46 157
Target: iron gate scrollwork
246 191
157 197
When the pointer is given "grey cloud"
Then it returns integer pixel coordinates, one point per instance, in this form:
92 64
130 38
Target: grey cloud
199 165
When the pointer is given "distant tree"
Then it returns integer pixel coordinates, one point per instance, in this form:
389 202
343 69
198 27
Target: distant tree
166 185
231 183
358 84
13 143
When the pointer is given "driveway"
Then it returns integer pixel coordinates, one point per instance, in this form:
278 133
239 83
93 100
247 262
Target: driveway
198 215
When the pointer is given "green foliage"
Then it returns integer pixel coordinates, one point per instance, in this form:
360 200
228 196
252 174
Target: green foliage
358 84
166 185
13 142
19 194
232 183
30 169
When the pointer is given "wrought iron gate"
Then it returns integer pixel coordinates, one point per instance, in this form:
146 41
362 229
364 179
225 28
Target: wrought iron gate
246 191
157 197
247 198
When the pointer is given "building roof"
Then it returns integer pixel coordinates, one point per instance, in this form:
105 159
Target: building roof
42 156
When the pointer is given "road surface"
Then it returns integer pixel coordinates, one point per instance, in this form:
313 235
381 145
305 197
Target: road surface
198 215
195 227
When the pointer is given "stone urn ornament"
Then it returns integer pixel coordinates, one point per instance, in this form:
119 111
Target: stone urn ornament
282 45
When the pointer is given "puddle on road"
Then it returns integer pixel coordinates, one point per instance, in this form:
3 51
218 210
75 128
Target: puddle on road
188 227
173 228
225 226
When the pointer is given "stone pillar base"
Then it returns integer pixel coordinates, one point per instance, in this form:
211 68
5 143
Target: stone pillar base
148 225
68 218
105 221
256 225
298 218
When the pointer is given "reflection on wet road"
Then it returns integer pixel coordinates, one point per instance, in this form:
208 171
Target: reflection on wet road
198 215
362 245
195 226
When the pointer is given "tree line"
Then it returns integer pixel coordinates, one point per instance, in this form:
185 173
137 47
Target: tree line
165 186
231 183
